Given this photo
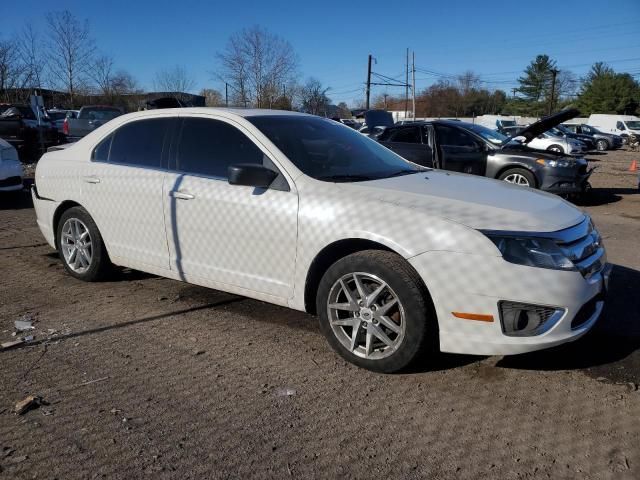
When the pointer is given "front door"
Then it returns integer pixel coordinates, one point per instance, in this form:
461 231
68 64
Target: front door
406 142
459 151
221 234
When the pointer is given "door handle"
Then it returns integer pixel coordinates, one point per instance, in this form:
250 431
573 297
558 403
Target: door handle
91 179
181 195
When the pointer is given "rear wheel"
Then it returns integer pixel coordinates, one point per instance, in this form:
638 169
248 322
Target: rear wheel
375 312
519 176
556 148
602 145
81 247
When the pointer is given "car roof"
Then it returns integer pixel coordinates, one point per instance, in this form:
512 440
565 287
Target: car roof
226 112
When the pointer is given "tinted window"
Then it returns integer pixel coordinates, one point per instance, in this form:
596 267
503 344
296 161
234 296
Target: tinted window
620 126
101 152
324 150
139 143
209 147
454 137
406 135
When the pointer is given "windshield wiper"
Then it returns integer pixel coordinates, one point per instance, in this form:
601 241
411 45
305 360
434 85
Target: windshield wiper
345 178
404 172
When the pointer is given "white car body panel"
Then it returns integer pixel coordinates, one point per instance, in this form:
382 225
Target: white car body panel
10 165
263 245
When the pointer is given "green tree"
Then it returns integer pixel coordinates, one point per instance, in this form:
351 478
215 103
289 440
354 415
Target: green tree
605 91
535 84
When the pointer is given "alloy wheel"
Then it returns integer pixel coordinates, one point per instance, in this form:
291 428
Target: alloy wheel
517 179
366 315
76 245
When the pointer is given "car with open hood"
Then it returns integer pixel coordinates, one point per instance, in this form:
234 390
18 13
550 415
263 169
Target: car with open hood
471 148
396 260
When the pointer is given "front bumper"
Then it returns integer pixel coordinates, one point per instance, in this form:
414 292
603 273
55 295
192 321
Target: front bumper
472 283
564 180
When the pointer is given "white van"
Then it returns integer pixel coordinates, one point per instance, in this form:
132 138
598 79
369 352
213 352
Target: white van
623 125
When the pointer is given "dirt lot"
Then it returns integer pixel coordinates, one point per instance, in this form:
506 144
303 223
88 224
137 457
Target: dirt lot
147 377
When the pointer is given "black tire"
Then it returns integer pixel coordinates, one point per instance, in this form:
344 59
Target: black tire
519 171
421 331
602 145
100 266
555 148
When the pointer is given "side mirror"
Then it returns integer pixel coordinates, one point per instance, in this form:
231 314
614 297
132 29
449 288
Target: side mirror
251 175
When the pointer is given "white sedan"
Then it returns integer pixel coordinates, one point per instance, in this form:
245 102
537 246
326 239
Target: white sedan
10 168
553 143
396 260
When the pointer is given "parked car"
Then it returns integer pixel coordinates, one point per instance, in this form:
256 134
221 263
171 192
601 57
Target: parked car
471 148
604 141
21 127
58 117
10 168
587 140
89 118
623 125
297 210
555 143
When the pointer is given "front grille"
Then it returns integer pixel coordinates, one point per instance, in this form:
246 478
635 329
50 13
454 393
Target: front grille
583 246
10 182
586 312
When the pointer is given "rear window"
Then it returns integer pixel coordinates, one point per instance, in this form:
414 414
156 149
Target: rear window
99 113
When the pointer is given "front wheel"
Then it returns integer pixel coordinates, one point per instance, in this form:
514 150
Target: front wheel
602 145
81 247
556 148
375 311
518 176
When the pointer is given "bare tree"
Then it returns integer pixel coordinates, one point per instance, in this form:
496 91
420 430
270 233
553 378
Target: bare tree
71 51
11 69
102 74
175 79
122 83
468 81
257 64
212 97
313 97
32 56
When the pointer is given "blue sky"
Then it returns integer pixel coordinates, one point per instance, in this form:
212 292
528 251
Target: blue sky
333 38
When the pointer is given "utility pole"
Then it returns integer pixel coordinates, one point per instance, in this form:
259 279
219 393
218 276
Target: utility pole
226 94
406 88
514 90
385 100
554 72
369 83
413 82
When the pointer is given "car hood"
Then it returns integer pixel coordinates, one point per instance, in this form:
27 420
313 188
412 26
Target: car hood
476 202
544 124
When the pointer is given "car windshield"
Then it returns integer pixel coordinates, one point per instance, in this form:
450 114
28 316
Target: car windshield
326 150
492 136
633 124
98 113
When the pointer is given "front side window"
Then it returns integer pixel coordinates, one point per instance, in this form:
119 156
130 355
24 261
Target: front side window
139 143
209 147
454 137
326 151
620 126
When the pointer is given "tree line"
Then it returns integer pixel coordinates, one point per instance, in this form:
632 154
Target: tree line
542 88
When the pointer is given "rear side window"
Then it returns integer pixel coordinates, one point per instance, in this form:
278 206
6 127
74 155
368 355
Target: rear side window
101 152
138 143
208 147
405 135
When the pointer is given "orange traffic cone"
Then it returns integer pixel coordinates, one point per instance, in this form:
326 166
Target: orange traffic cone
634 166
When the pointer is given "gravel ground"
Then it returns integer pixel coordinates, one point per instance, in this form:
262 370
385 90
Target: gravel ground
148 377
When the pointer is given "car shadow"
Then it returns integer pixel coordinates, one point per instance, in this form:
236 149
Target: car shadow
18 200
603 196
610 351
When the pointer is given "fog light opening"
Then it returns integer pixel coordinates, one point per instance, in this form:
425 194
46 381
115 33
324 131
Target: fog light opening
524 320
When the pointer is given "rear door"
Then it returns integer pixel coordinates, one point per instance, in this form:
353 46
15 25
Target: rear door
122 190
408 143
459 151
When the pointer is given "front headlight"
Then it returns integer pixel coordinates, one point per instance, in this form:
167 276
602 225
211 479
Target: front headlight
532 252
553 163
